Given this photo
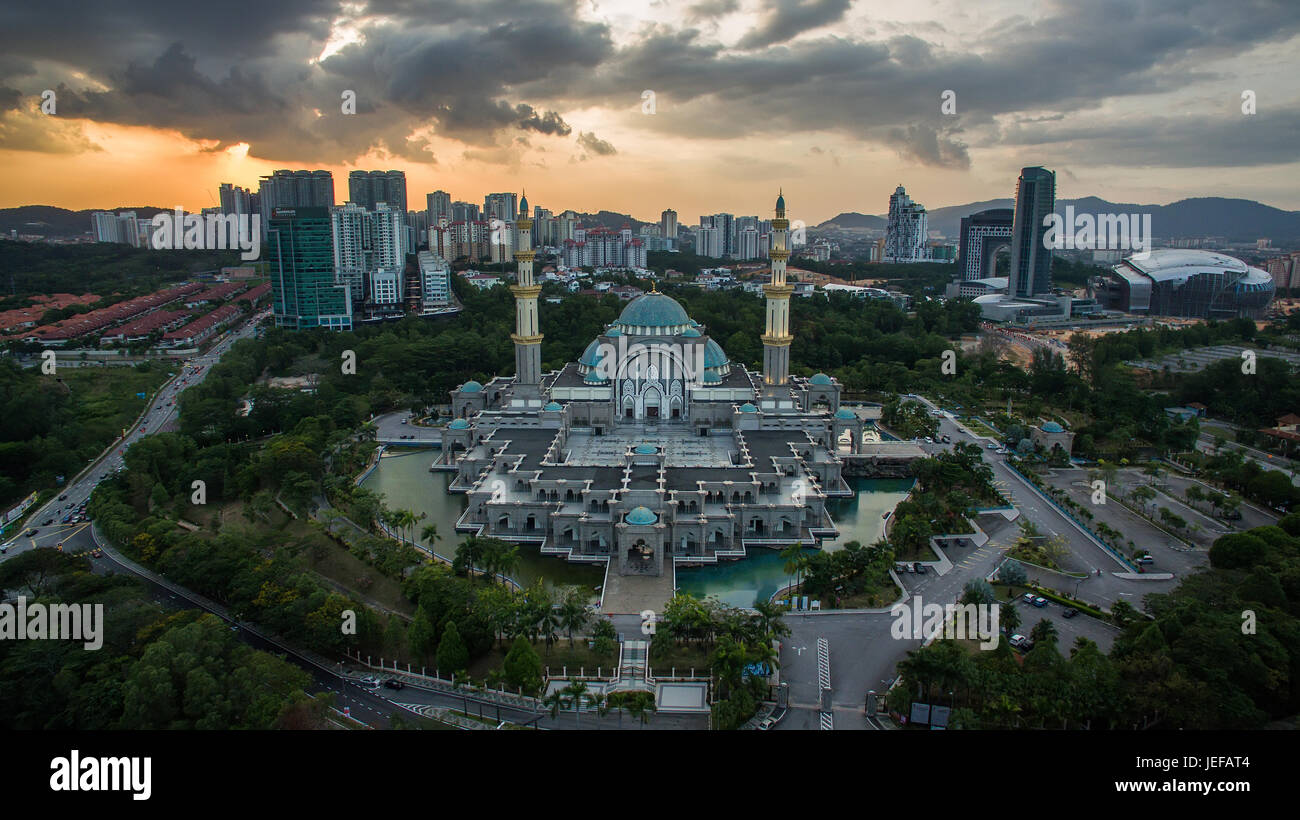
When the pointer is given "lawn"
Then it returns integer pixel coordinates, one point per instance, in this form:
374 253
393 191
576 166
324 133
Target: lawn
684 658
578 659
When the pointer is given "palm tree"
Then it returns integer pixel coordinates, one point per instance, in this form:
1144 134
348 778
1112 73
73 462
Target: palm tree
601 701
430 535
554 702
573 612
795 561
576 692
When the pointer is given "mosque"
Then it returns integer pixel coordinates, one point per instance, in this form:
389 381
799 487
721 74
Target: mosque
653 446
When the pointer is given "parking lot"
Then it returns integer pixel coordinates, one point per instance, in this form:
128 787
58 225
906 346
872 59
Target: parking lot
1170 553
1067 629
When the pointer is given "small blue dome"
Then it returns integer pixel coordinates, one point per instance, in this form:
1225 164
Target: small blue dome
594 377
748 408
691 333
1053 427
642 516
552 406
591 356
653 310
614 333
471 386
711 377
646 449
458 424
713 354
845 413
821 379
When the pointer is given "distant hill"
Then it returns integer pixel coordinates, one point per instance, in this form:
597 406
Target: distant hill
849 219
46 220
612 220
1234 219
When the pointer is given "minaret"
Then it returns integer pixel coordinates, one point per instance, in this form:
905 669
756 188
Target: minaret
777 338
527 337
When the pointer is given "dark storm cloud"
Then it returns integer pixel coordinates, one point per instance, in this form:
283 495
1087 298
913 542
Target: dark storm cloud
593 145
786 19
549 123
710 9
485 72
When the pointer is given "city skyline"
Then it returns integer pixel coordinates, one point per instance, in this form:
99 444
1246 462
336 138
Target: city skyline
837 102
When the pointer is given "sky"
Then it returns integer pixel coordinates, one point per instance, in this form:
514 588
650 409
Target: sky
639 105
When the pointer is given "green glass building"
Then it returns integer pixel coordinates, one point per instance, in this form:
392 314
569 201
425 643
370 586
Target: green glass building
301 250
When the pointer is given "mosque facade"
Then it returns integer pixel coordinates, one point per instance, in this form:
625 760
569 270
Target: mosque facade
654 446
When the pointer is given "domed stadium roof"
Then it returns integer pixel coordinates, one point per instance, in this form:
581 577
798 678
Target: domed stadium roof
646 449
471 386
748 408
1053 427
553 405
820 378
641 515
458 424
653 310
713 354
845 413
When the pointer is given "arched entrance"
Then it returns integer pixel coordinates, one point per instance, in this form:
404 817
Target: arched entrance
651 401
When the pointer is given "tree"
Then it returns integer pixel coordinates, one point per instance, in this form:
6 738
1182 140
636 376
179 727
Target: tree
576 692
453 657
573 611
430 536
1013 573
522 667
795 561
1044 632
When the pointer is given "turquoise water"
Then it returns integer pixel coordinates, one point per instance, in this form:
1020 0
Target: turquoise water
762 572
406 483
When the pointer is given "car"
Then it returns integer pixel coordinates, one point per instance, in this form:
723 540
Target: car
31 532
1040 602
47 522
1021 642
369 682
1146 559
992 446
919 567
63 497
1028 597
97 553
66 519
394 683
1070 613
766 723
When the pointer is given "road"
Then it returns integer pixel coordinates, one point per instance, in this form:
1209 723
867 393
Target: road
160 416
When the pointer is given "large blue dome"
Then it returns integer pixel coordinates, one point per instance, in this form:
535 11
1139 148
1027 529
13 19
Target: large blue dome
1053 427
820 379
653 310
471 386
